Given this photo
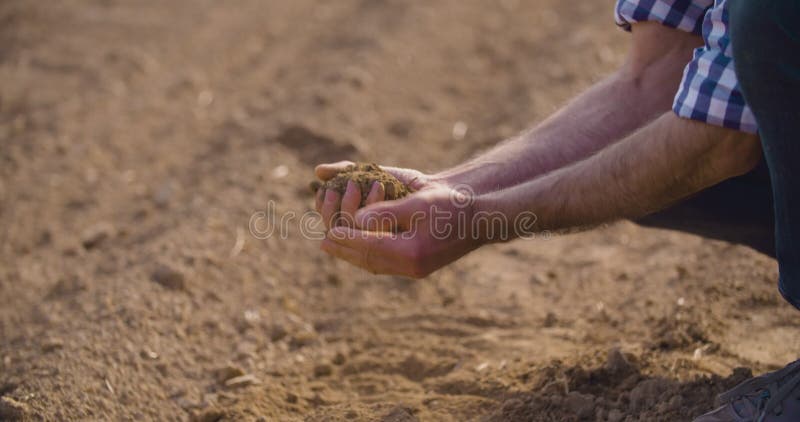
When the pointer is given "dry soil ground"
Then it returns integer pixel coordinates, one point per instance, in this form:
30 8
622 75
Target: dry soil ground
138 138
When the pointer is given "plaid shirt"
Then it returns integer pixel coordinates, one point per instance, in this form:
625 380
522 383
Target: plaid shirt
710 90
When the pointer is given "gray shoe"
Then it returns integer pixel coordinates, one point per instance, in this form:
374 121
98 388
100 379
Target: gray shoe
772 397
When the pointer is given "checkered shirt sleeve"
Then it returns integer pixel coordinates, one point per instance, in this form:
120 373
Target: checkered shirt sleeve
709 91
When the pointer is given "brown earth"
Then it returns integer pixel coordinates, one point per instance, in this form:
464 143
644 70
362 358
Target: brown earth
364 175
137 139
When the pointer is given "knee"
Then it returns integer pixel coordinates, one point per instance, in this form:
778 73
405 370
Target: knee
760 27
748 19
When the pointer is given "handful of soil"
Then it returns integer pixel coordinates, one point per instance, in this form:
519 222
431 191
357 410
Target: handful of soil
365 175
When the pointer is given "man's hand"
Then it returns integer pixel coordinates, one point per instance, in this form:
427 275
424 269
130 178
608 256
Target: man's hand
337 209
413 236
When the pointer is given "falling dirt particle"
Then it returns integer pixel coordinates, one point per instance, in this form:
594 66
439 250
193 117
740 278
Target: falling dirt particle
169 277
52 345
12 410
322 370
291 398
242 381
96 234
365 175
228 372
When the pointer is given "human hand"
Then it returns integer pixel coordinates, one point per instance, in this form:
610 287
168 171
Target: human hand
339 208
413 236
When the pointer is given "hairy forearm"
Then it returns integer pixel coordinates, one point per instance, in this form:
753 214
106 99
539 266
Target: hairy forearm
656 166
642 89
603 114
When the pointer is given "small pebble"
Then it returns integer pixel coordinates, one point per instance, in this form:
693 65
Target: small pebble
322 370
12 410
96 234
52 345
615 415
169 277
242 381
228 372
339 359
208 415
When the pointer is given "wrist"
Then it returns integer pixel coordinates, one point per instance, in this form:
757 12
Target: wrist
475 177
502 216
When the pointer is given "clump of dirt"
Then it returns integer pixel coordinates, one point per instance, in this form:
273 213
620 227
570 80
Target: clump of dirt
365 175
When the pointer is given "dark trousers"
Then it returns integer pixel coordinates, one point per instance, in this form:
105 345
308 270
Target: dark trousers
762 208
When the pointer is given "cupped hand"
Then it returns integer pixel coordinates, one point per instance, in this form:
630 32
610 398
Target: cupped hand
338 209
413 236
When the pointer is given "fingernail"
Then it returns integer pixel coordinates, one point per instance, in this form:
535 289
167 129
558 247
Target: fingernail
374 186
351 186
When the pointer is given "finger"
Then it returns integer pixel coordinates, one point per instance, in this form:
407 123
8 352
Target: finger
330 207
319 198
350 203
398 215
355 257
328 170
376 194
367 252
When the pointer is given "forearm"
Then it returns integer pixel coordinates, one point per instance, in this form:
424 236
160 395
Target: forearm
656 166
642 89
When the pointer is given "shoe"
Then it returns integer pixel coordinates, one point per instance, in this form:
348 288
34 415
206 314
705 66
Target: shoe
772 397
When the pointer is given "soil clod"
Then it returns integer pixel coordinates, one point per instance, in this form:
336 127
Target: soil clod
322 370
95 235
365 175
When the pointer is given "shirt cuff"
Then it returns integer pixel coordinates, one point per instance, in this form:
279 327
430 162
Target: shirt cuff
710 93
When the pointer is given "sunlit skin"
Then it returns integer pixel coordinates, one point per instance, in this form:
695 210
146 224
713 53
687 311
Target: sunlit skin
616 151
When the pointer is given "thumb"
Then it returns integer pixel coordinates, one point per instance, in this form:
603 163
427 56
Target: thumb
328 170
397 215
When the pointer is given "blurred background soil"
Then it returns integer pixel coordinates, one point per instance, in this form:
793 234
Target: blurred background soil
138 138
